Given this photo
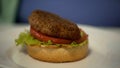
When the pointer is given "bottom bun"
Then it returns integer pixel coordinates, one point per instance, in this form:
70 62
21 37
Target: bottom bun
60 54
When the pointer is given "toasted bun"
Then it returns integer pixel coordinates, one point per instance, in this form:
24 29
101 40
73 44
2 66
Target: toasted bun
58 54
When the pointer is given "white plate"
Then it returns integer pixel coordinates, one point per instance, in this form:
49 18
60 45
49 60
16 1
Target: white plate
104 51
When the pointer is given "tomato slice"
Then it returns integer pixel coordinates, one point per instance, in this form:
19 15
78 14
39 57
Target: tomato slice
45 38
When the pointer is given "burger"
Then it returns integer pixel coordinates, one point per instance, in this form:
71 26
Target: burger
52 38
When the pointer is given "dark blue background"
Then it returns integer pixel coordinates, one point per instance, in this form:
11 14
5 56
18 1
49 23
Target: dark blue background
92 12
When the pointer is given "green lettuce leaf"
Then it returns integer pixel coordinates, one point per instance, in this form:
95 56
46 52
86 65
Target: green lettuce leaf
26 38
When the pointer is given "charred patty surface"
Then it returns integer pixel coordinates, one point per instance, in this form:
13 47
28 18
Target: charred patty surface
53 25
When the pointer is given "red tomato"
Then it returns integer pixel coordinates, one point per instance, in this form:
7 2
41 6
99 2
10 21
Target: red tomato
45 38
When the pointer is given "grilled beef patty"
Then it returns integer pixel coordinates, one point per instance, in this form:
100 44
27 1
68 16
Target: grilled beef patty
53 25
